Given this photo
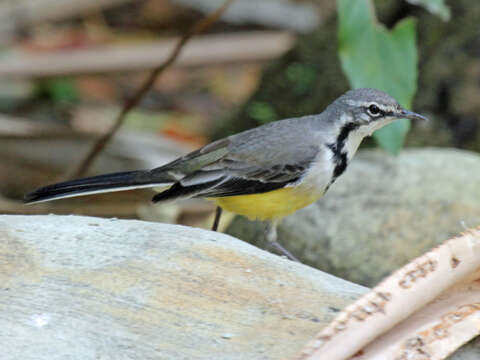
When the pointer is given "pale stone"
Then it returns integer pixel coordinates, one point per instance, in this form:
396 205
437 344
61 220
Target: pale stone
86 288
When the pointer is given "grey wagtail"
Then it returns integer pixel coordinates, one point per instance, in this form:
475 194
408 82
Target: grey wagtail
264 173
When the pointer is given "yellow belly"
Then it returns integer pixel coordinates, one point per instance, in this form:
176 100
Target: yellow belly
270 205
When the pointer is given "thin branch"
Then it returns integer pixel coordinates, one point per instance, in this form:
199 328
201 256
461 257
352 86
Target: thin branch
199 27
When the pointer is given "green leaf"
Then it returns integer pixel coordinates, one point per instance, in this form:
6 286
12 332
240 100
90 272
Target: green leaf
436 7
262 112
60 90
372 56
302 76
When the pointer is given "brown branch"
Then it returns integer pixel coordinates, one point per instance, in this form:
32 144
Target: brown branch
201 50
199 27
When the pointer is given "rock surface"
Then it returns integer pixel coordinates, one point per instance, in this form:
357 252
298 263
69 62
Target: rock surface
470 351
382 212
89 288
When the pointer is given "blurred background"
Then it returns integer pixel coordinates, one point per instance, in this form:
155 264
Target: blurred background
67 67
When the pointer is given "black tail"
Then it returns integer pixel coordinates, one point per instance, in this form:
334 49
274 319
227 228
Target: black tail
97 184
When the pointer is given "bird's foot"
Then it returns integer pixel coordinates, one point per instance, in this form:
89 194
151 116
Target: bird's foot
284 251
271 236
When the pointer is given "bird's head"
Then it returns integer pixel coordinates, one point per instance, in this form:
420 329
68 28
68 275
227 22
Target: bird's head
358 113
370 109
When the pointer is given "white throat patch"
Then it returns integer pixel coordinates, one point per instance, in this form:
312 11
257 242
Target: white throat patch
356 136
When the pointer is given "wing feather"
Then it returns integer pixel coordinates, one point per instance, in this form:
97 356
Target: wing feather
256 161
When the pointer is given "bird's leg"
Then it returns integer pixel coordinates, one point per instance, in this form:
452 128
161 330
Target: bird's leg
271 236
216 221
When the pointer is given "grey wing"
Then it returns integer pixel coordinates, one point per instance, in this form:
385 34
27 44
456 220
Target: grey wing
256 161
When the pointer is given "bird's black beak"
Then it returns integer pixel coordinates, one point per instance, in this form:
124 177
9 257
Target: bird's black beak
405 114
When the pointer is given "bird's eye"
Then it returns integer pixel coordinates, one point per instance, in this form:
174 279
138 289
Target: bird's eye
374 110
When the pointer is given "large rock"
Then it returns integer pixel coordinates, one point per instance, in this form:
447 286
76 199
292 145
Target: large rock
85 288
382 213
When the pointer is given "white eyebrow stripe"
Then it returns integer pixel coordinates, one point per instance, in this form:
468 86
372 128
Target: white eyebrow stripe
384 108
389 109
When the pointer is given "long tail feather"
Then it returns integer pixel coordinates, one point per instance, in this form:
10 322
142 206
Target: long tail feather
97 184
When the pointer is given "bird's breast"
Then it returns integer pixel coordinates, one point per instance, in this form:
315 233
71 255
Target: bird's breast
319 175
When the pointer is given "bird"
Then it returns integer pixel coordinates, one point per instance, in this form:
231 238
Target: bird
265 173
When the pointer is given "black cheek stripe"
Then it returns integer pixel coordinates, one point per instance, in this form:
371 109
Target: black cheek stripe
339 154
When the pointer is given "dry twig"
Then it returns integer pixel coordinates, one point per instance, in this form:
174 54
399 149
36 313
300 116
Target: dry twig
199 27
201 50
